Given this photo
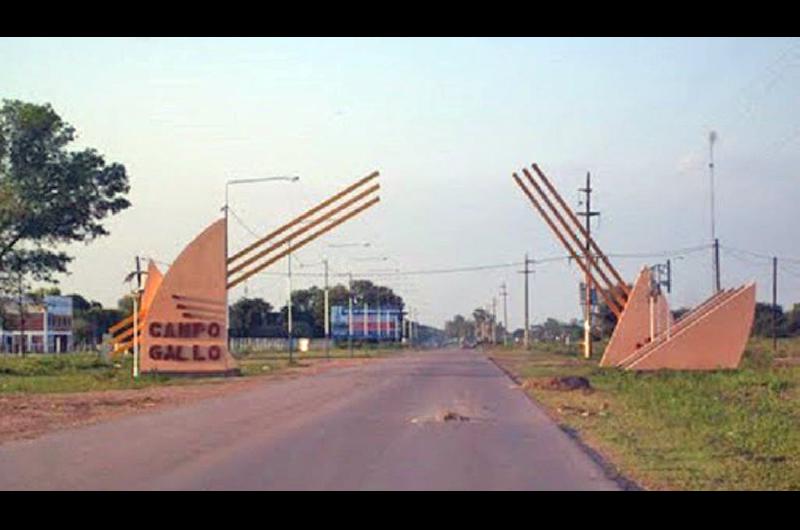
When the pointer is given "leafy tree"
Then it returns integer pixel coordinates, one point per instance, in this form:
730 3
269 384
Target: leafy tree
460 328
125 304
793 321
250 317
762 322
49 195
483 324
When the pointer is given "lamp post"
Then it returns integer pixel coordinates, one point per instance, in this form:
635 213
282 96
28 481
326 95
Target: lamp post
228 184
349 291
234 182
378 305
289 328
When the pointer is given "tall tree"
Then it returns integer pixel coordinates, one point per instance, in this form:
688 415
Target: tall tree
49 195
460 328
250 317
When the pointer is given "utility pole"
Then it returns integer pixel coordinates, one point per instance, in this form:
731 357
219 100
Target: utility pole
494 320
366 319
712 138
669 277
136 341
21 313
775 304
289 307
717 283
379 317
588 214
504 294
327 319
350 313
136 332
138 274
526 331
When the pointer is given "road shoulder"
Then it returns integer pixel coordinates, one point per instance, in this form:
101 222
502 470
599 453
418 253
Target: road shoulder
27 416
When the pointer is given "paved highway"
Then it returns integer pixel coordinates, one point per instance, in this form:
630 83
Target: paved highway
379 426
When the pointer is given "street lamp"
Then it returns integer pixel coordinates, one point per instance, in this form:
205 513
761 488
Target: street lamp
366 307
234 182
348 245
327 317
349 292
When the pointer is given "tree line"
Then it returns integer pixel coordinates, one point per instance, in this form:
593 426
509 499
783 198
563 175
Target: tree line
786 324
255 317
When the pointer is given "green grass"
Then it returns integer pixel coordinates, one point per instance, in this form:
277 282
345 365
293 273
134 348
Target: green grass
78 372
737 429
84 372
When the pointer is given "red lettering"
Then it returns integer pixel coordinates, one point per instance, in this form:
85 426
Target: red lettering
196 354
155 329
214 353
213 329
198 328
185 330
173 353
169 330
155 352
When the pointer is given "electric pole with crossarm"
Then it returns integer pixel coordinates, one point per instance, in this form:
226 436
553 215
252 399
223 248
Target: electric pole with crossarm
588 214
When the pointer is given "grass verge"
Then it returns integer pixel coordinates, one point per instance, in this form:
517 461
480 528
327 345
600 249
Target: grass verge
721 430
85 372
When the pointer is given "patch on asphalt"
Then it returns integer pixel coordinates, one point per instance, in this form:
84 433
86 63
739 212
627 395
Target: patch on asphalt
443 416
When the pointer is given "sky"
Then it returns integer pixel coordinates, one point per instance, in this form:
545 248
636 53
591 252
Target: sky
446 121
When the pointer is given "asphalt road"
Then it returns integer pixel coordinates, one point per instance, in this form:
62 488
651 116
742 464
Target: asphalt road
379 426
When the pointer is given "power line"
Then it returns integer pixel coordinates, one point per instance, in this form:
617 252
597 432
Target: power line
758 255
243 224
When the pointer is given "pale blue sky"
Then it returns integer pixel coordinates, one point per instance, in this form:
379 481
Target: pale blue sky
446 121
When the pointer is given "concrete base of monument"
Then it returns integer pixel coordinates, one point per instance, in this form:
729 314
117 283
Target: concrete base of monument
232 372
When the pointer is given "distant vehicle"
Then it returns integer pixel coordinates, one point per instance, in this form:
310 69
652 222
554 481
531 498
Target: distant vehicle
468 345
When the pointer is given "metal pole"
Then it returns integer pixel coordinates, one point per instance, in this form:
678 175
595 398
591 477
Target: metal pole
411 328
717 283
327 314
136 334
775 304
379 318
588 213
712 137
289 307
366 319
21 315
505 314
669 277
227 306
494 320
526 331
350 314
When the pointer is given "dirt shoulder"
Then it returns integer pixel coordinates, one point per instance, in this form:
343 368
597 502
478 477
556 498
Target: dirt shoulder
25 416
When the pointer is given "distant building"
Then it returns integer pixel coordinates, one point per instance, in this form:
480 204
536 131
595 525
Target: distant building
44 328
384 324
